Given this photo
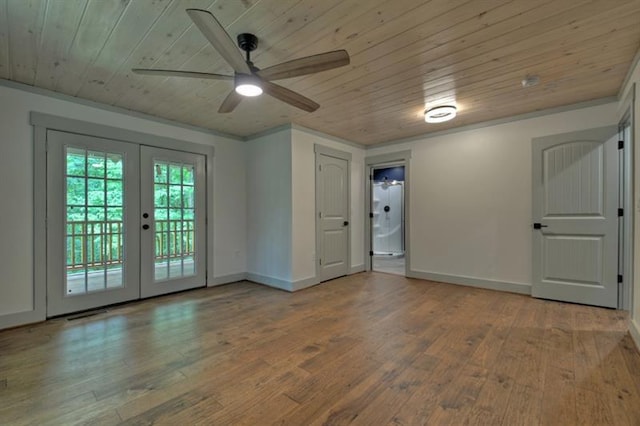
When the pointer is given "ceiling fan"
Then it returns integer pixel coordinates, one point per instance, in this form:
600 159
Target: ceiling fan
248 79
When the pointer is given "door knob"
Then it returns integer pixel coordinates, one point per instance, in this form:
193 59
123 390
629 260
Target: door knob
539 226
345 223
145 226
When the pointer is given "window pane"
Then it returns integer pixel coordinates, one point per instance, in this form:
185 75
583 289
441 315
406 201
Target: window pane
175 196
114 166
75 191
187 175
188 197
114 214
76 214
95 192
96 165
95 214
75 162
114 193
160 195
160 175
175 173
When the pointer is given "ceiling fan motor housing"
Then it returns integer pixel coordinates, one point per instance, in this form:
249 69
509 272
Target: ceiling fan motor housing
247 42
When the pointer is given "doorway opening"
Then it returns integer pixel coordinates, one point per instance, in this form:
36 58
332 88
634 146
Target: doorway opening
388 219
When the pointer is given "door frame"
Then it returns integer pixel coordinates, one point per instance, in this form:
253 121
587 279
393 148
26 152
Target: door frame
41 123
626 117
343 155
400 158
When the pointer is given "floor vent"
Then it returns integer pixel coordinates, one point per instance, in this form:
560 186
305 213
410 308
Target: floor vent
86 314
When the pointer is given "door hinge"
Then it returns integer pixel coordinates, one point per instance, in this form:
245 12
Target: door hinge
370 177
320 215
371 215
370 252
619 278
319 167
620 144
620 212
320 260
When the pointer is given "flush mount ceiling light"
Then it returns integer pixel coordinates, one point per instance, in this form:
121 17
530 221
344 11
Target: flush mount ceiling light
248 85
440 114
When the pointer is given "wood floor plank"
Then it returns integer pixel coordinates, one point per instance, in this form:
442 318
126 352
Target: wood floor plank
366 349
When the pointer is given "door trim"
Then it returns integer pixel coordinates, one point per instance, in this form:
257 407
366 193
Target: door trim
400 158
627 116
343 155
41 123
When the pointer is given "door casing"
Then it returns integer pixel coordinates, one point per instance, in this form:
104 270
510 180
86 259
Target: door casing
400 158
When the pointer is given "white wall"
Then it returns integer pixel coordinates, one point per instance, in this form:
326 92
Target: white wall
303 193
16 188
471 198
269 208
635 312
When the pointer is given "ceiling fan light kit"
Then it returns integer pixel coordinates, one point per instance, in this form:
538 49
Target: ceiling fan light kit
250 80
248 85
440 114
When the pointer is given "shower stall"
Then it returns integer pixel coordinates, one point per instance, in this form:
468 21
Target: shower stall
388 212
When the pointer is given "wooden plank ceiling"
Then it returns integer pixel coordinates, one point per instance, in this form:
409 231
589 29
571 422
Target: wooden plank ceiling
406 55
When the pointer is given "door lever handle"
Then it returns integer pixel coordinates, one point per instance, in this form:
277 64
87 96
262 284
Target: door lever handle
539 226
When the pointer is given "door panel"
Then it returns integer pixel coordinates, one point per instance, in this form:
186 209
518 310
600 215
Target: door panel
92 232
174 231
333 210
575 202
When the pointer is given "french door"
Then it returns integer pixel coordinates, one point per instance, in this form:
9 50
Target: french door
124 221
173 224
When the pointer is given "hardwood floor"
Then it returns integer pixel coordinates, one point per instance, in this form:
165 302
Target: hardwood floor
370 349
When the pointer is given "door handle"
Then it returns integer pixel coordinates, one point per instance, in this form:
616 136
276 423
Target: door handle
345 223
145 226
539 226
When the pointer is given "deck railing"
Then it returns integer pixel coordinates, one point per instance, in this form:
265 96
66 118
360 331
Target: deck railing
99 243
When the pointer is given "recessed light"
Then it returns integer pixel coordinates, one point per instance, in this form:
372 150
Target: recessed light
440 114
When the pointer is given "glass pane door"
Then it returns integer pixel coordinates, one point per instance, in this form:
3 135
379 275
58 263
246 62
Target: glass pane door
92 242
173 226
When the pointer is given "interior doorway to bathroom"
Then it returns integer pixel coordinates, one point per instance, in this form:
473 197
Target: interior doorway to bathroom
388 219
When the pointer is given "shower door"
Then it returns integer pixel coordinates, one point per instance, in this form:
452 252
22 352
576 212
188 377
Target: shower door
388 232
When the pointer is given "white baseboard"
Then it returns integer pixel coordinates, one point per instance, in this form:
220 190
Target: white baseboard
21 318
270 281
634 330
356 269
472 282
226 279
304 283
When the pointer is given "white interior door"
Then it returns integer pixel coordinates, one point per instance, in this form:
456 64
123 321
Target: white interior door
332 185
93 227
575 245
173 212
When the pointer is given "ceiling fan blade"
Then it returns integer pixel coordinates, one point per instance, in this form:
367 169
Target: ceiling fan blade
177 73
230 102
306 65
289 96
219 39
